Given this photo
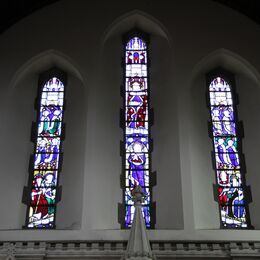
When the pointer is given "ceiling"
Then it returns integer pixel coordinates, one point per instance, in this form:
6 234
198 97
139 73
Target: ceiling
11 11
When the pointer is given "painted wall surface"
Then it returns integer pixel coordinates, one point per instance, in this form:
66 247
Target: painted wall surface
84 39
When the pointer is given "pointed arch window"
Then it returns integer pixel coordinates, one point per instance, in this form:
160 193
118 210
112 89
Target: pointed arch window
231 191
136 121
43 191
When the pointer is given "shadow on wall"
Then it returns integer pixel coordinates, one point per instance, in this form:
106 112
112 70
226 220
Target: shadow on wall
203 175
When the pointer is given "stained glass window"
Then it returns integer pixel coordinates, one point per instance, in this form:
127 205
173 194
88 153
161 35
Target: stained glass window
46 162
228 163
136 127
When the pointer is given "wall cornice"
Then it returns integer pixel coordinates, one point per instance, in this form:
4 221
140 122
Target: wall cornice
116 249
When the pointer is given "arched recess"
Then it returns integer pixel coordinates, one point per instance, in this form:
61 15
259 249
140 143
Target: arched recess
203 177
165 157
19 116
42 62
137 19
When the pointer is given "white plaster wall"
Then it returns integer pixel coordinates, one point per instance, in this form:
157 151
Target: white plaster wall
86 38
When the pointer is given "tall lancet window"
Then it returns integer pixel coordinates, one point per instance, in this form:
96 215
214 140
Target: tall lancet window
231 191
45 165
136 124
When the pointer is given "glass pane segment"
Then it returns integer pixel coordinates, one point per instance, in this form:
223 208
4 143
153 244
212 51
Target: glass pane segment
136 70
137 176
136 84
221 128
53 85
52 98
41 216
219 84
136 57
136 44
130 215
229 178
221 99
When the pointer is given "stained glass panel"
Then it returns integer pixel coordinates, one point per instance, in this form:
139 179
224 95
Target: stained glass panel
42 208
137 154
227 156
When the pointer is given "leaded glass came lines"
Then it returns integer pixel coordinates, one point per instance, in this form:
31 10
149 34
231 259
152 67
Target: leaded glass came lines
137 154
41 212
230 186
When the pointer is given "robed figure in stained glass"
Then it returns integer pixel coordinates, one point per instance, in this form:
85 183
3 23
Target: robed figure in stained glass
230 186
46 163
136 128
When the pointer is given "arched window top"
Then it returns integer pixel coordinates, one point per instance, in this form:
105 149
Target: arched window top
136 43
53 84
219 84
52 93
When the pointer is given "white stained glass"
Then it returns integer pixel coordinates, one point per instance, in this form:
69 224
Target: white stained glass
227 178
144 165
52 98
136 44
136 84
140 130
220 98
53 84
144 140
133 70
219 84
137 147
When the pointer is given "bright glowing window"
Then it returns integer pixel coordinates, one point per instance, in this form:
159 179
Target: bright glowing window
136 126
231 189
46 161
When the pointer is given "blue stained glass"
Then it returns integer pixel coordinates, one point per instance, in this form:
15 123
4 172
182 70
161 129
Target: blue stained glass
227 128
132 175
47 145
137 152
136 44
219 84
226 147
47 156
130 214
51 113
